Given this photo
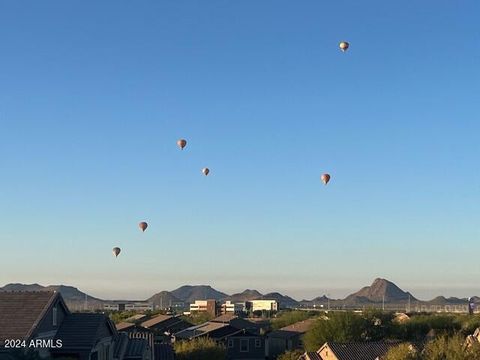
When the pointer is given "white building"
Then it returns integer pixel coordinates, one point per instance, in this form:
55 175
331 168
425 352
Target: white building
264 305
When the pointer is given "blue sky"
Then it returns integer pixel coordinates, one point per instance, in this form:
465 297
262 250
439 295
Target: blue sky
94 95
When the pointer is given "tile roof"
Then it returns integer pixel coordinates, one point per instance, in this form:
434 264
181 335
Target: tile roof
124 326
224 318
120 347
212 329
79 330
164 352
156 320
301 326
136 317
22 311
361 350
293 330
136 348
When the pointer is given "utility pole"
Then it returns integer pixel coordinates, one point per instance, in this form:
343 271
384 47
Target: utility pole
383 303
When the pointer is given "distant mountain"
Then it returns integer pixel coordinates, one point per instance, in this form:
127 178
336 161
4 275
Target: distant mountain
319 300
442 300
190 293
246 295
163 299
283 300
74 298
380 290
22 287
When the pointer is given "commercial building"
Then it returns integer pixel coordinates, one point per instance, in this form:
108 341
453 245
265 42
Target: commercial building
263 305
126 306
233 308
207 306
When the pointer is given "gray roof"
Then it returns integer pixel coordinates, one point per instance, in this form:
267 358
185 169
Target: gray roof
361 350
164 352
80 330
22 311
135 348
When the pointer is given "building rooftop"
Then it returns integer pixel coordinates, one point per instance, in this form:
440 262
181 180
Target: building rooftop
136 348
360 350
79 330
296 329
22 311
124 326
164 352
156 320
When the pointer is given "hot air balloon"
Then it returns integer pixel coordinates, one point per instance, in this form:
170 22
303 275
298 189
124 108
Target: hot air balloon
181 143
325 178
344 46
143 226
116 251
205 171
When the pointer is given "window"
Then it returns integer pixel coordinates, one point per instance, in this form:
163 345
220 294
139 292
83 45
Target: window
243 345
230 343
258 343
54 312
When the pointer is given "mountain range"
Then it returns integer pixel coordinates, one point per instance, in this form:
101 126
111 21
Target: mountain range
381 291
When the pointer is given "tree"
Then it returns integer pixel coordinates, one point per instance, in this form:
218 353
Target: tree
199 349
402 352
286 318
290 355
339 327
198 318
450 348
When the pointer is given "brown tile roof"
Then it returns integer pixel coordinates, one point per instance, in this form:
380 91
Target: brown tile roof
293 330
300 327
361 350
22 311
224 318
156 320
124 326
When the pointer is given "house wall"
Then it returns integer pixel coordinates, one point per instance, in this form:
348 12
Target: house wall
254 353
278 345
46 327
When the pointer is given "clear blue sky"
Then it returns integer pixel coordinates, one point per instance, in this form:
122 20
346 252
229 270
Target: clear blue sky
94 95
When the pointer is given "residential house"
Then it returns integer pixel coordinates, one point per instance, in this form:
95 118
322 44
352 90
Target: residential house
33 315
238 322
164 352
163 326
86 336
245 345
138 349
240 342
287 338
213 330
355 350
43 316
